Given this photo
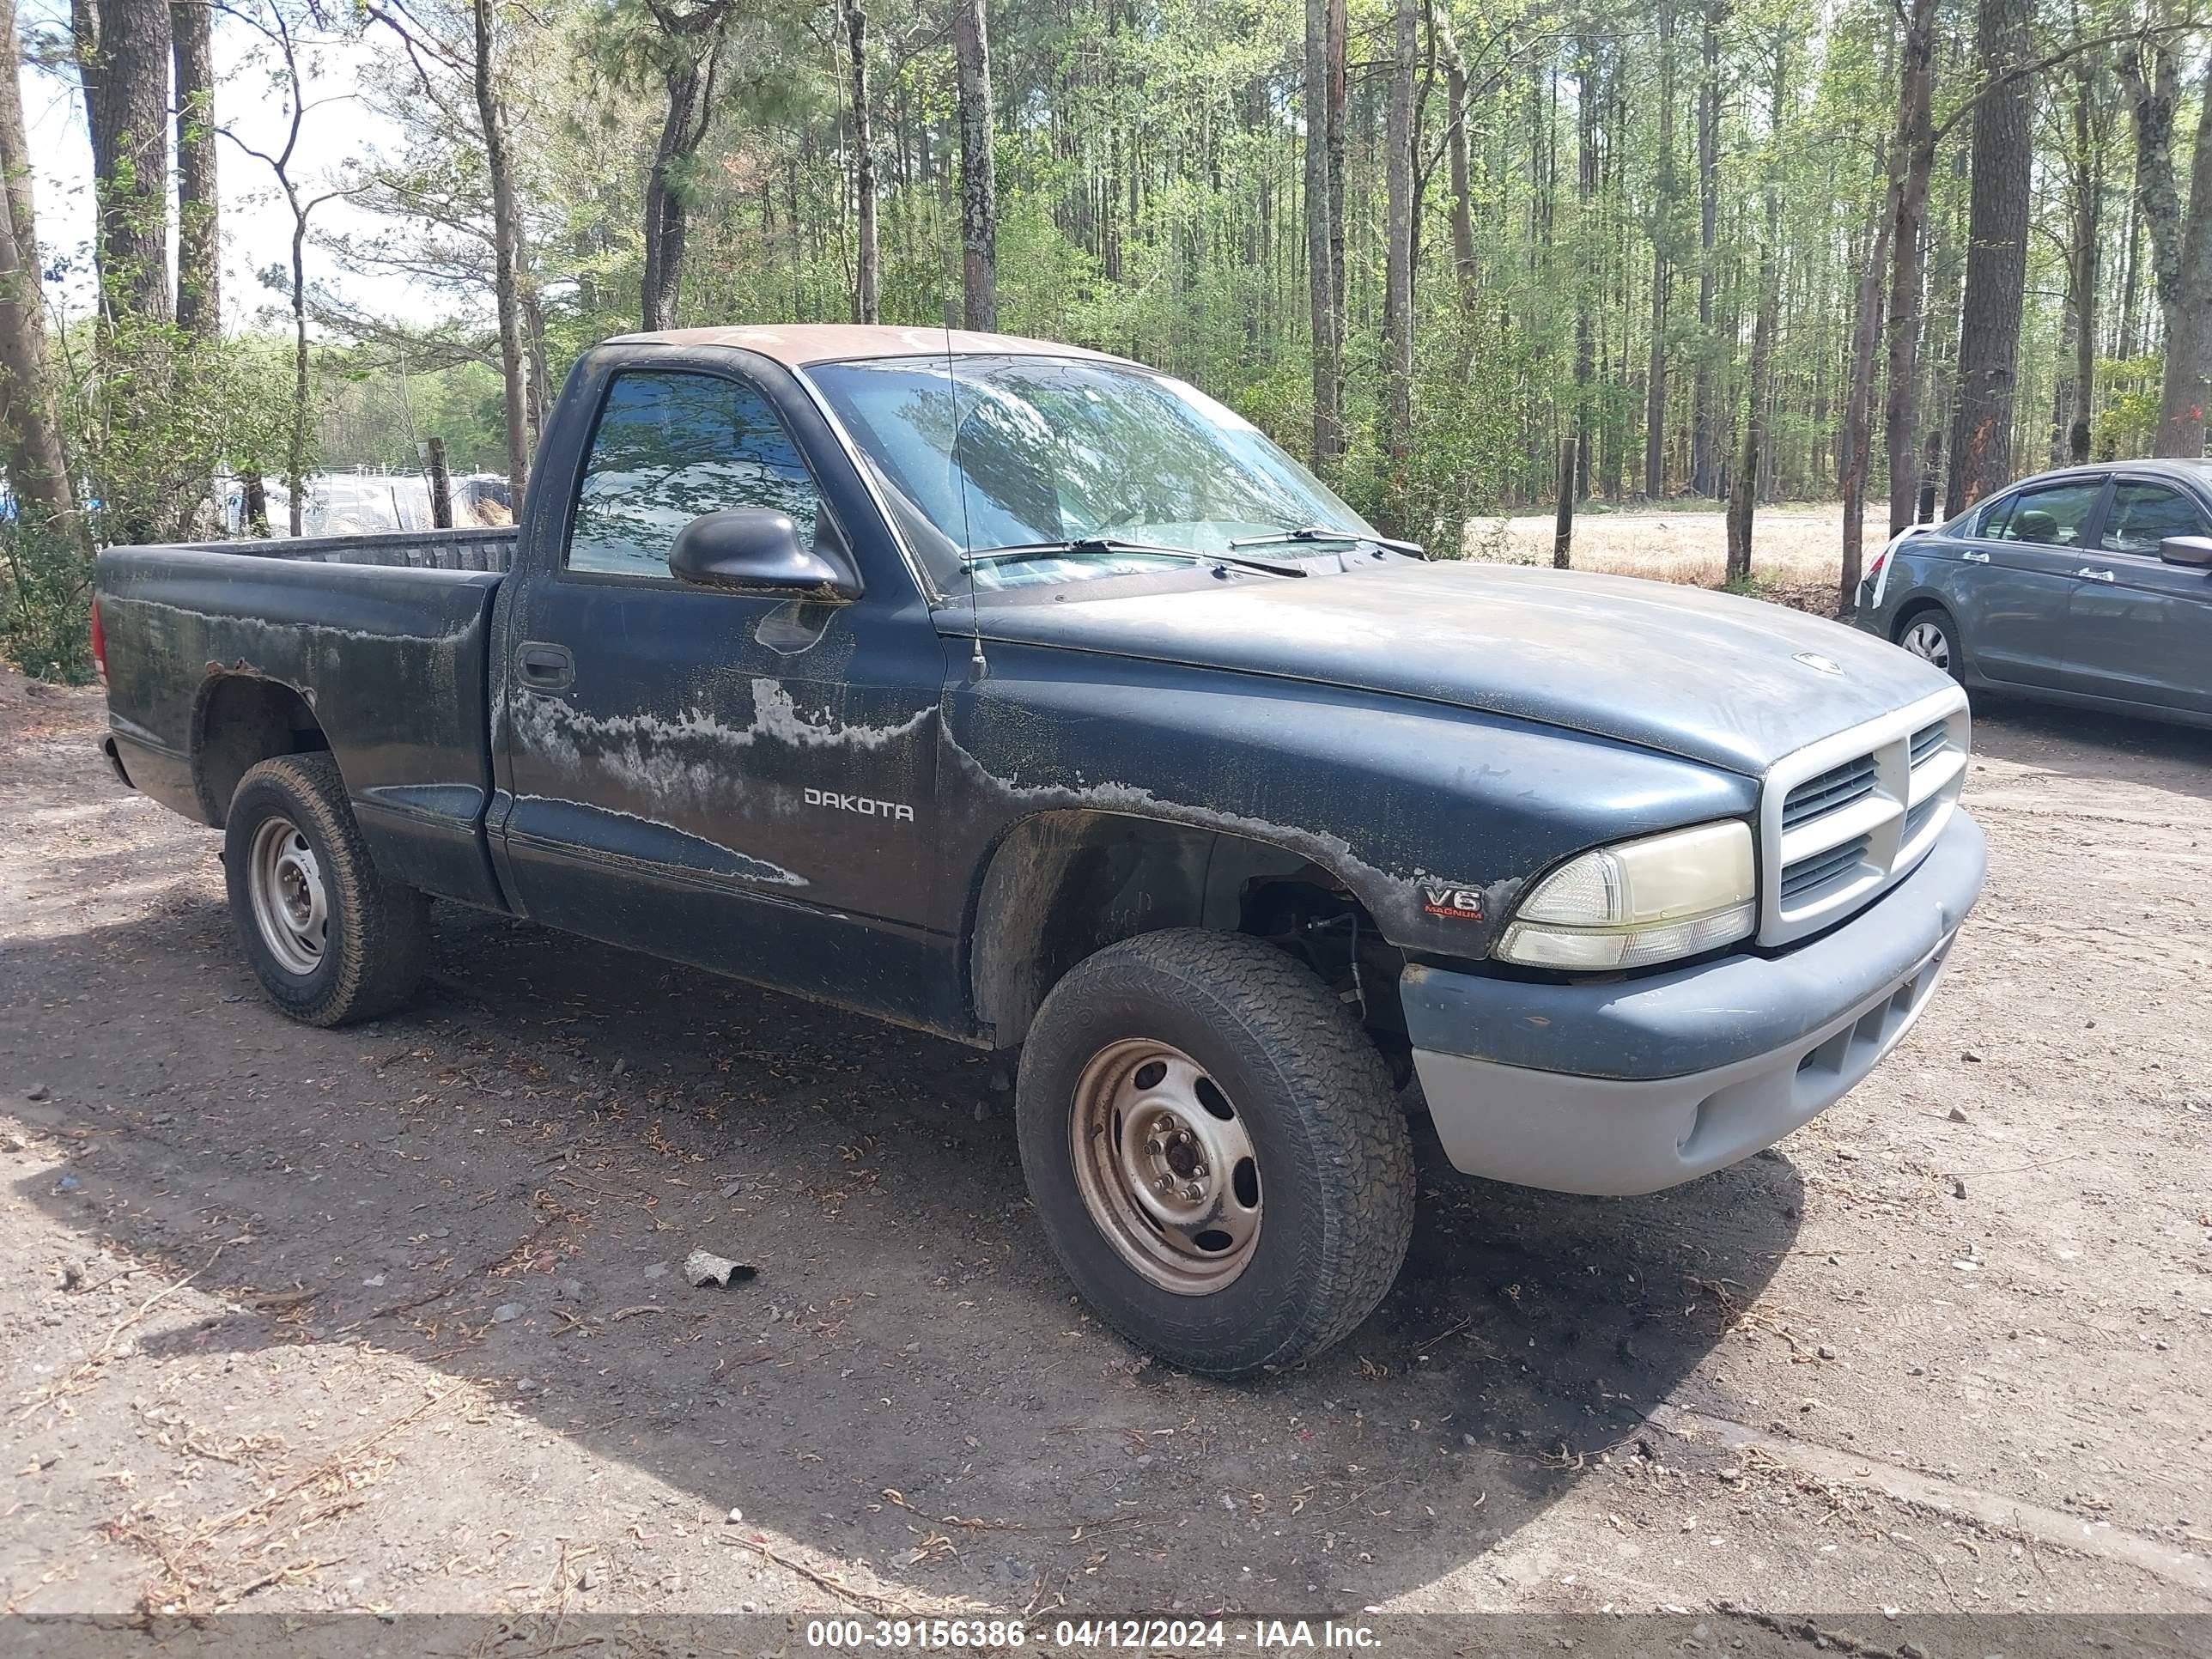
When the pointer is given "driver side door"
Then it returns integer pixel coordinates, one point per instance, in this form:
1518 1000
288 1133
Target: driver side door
2140 629
741 781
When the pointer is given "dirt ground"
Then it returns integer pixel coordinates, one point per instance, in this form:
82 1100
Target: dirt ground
1797 548
393 1318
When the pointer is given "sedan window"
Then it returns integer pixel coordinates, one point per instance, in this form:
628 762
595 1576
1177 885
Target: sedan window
2144 514
2052 515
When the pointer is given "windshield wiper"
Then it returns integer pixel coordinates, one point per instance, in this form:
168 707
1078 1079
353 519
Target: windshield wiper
1092 547
1318 533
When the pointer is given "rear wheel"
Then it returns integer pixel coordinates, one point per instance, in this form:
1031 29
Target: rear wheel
1932 635
331 938
1215 1151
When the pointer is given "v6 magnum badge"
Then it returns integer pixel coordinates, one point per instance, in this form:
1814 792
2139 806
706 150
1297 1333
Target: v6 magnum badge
1452 903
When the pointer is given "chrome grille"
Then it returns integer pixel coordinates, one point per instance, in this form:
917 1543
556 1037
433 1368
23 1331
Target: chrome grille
1837 786
1843 818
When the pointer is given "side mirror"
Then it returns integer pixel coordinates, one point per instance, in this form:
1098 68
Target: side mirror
2186 550
756 550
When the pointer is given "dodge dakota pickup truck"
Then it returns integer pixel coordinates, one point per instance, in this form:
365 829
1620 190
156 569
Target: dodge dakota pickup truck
1023 696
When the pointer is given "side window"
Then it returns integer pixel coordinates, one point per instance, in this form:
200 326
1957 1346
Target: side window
1992 527
670 446
2052 515
2144 514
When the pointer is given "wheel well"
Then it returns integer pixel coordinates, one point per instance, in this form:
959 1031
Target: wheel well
1062 885
1917 608
241 722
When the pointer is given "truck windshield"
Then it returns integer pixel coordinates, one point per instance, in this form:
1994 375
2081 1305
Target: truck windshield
1028 453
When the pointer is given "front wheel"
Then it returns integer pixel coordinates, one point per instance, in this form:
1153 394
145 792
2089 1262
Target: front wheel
330 936
1933 637
1215 1151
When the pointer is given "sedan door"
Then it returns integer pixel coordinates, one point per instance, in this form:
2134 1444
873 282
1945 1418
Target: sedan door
2027 550
2140 629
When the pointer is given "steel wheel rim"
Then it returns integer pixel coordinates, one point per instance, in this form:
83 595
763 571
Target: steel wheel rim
1166 1166
1928 641
290 905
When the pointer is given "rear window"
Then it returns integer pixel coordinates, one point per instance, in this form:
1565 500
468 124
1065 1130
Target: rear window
2050 515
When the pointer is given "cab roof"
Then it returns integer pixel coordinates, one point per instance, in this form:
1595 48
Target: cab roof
796 345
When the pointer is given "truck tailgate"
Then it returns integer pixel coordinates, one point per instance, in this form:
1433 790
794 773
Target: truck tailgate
392 661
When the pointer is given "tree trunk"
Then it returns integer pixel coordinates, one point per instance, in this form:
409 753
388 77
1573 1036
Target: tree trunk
1586 164
296 443
1321 279
1662 273
29 432
1704 430
2124 345
863 168
506 244
1398 264
2089 217
1853 463
2188 383
1996 263
199 253
1743 498
1456 145
127 99
979 185
2152 78
667 220
1339 41
1913 145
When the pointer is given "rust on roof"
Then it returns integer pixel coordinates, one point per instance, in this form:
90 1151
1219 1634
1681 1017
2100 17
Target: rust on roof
797 344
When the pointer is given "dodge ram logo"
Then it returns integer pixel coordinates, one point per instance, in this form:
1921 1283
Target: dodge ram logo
868 807
1819 663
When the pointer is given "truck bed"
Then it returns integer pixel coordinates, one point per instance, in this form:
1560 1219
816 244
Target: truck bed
376 648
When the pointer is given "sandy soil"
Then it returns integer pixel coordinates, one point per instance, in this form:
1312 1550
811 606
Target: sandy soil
1794 545
394 1319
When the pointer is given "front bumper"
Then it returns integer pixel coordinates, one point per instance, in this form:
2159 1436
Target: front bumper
1631 1086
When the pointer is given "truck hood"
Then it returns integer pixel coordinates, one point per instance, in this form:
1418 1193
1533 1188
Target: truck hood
1730 682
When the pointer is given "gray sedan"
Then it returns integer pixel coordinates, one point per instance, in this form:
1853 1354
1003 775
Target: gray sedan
2089 586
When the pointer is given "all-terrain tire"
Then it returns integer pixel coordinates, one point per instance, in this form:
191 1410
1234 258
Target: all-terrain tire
375 941
1334 1163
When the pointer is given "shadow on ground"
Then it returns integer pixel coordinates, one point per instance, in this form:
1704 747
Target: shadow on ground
522 1160
2094 746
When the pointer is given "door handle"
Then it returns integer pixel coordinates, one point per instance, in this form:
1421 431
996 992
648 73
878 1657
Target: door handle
2094 576
1975 559
545 667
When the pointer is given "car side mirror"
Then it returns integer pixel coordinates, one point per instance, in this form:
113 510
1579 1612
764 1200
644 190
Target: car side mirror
756 550
2186 550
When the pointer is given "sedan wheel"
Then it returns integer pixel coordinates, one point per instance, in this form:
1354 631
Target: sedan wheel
1928 637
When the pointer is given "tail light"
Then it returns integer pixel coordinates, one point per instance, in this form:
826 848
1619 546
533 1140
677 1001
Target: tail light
99 643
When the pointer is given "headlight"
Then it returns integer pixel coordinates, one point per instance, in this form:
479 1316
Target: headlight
1638 902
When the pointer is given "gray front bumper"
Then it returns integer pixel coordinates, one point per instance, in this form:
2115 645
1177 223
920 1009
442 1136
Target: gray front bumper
1631 1086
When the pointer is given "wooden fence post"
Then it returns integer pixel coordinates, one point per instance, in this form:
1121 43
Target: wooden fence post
442 482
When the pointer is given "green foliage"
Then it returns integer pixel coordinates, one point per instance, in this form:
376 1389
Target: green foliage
2129 421
46 593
